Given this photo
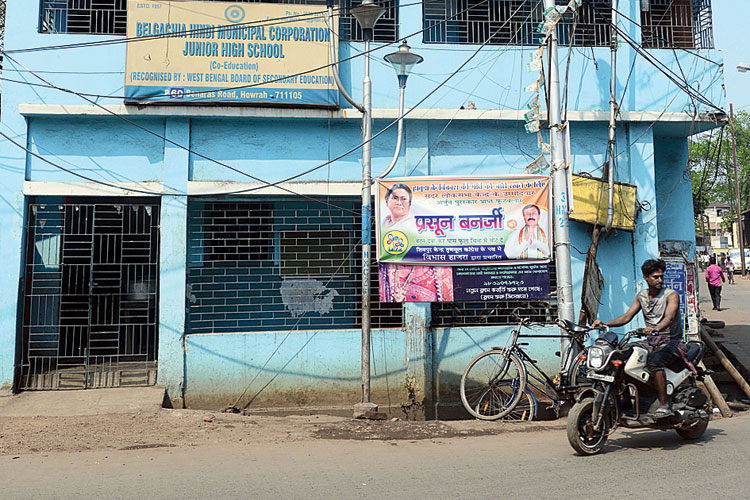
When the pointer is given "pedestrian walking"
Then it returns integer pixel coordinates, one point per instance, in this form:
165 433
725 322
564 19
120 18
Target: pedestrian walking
714 278
729 268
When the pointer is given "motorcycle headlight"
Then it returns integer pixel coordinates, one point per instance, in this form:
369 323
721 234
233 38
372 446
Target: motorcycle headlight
596 357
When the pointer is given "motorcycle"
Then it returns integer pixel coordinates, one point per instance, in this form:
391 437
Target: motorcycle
621 393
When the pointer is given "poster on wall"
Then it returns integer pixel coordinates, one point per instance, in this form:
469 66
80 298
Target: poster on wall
680 277
211 52
449 221
417 283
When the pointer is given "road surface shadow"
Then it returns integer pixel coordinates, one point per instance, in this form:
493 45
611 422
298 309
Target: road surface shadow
652 439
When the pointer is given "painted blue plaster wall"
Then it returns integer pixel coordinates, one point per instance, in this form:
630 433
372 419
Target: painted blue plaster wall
675 197
86 147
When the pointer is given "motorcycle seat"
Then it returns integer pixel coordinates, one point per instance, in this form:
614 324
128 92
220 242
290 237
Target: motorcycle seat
574 327
694 350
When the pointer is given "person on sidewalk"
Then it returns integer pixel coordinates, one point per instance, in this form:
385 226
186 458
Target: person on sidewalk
729 268
661 312
714 278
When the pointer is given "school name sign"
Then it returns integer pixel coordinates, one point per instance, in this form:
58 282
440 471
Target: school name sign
222 52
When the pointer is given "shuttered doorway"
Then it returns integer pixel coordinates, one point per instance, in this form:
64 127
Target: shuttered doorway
90 291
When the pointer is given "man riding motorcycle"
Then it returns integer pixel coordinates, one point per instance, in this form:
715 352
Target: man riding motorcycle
660 307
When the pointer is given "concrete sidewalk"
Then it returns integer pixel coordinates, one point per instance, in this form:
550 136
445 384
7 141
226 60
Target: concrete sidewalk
735 313
82 402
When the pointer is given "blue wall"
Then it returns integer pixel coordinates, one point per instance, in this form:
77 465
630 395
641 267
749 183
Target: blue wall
322 368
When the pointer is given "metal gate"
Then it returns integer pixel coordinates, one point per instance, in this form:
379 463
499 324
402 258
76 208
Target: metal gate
90 293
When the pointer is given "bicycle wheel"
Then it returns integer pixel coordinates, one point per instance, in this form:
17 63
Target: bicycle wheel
492 384
525 409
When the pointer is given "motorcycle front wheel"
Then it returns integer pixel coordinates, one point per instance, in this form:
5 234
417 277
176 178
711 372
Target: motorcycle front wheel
581 434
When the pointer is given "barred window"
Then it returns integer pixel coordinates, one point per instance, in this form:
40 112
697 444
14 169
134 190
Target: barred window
84 16
278 264
512 22
110 17
682 24
480 313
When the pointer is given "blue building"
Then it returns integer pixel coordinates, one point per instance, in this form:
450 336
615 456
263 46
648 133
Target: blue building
203 246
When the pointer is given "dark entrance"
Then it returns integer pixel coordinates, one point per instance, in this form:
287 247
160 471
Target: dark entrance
90 291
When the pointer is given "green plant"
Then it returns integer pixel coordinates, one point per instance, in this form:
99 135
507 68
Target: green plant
412 405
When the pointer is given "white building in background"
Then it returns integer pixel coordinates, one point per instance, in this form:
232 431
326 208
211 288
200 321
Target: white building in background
716 234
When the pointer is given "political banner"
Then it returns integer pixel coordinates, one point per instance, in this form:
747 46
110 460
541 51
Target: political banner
210 52
453 221
416 283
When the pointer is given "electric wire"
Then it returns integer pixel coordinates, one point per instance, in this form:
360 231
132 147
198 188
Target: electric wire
144 99
266 183
434 141
273 21
666 71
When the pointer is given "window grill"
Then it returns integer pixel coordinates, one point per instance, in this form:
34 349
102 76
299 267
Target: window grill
84 16
684 24
90 293
512 22
110 17
278 264
480 313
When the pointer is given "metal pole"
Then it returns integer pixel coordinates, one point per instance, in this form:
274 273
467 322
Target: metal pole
559 193
366 225
612 123
737 192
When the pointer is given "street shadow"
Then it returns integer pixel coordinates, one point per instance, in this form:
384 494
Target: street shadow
652 439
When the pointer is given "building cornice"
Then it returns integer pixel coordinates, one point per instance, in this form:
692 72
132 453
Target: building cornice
343 114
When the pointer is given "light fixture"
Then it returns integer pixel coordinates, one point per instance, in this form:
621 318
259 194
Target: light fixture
403 61
367 14
743 67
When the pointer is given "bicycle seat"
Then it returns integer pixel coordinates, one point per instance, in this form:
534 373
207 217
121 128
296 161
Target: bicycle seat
574 327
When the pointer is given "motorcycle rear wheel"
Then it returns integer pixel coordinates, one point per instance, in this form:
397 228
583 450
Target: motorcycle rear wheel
581 434
694 431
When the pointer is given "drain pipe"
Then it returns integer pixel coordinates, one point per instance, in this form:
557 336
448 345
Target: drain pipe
612 124
335 62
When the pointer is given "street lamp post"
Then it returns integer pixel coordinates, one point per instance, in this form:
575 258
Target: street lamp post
366 14
402 61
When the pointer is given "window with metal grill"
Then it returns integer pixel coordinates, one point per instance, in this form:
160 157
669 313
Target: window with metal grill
110 17
84 16
512 22
480 313
278 264
684 24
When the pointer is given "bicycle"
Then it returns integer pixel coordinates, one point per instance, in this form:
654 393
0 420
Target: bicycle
496 381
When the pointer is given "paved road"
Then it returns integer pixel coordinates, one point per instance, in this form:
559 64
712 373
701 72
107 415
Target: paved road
518 465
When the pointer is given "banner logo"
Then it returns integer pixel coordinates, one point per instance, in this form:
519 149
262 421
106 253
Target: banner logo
395 242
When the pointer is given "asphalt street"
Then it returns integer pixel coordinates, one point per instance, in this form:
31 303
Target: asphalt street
541 464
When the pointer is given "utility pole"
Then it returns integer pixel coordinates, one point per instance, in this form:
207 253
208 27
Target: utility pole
737 191
559 192
612 122
367 14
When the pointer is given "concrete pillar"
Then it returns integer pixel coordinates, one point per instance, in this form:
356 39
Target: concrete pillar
417 317
173 261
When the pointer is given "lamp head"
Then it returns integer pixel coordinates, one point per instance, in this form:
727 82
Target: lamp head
403 60
743 67
367 14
